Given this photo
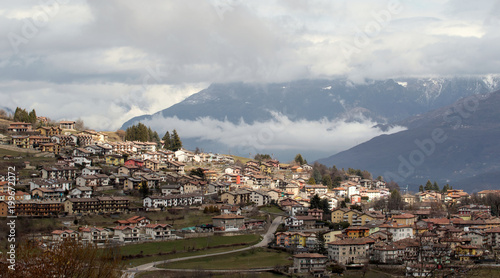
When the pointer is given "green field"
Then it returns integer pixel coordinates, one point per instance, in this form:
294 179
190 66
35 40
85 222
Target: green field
240 158
484 272
255 258
272 209
179 219
157 251
196 274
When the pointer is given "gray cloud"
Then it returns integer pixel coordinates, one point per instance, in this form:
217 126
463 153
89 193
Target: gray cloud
139 56
280 133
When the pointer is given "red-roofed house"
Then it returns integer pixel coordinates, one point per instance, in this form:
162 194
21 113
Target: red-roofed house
59 235
159 231
126 233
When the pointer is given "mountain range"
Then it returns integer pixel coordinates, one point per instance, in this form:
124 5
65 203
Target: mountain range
429 109
384 101
456 144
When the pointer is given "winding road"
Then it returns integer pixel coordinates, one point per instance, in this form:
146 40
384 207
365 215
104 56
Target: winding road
268 236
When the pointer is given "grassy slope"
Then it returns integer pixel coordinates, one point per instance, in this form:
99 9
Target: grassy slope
256 258
112 136
184 248
190 218
173 274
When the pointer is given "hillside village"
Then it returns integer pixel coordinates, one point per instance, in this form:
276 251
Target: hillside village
356 222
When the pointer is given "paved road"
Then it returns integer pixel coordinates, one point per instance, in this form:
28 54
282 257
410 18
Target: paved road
152 266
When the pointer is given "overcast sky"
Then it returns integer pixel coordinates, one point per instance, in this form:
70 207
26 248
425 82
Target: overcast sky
107 61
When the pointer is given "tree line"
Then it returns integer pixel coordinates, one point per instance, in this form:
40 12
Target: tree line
141 133
21 115
172 141
429 186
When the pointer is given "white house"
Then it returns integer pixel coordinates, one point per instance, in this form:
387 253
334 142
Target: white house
81 192
159 231
260 198
95 235
88 171
172 200
398 231
82 160
126 234
352 190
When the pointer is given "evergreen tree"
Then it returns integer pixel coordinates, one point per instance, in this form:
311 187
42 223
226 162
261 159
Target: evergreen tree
315 202
150 134
428 185
21 115
299 159
327 180
395 201
421 188
317 176
325 206
167 141
435 186
142 133
176 141
311 181
144 190
32 117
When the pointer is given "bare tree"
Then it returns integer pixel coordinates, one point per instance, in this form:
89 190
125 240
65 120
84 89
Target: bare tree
80 125
70 258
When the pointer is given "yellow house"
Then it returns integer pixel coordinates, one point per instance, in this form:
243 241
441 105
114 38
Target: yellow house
49 130
363 219
299 239
265 169
115 160
467 252
354 217
405 219
341 214
330 236
357 232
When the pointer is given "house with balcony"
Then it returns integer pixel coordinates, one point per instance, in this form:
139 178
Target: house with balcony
67 125
59 172
60 235
81 192
95 235
49 130
38 208
20 127
173 200
115 160
175 166
159 231
236 197
229 222
96 205
350 251
134 221
43 193
398 231
20 141
311 263
126 234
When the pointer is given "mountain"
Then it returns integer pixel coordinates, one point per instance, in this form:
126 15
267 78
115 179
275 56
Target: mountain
317 117
456 144
384 101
